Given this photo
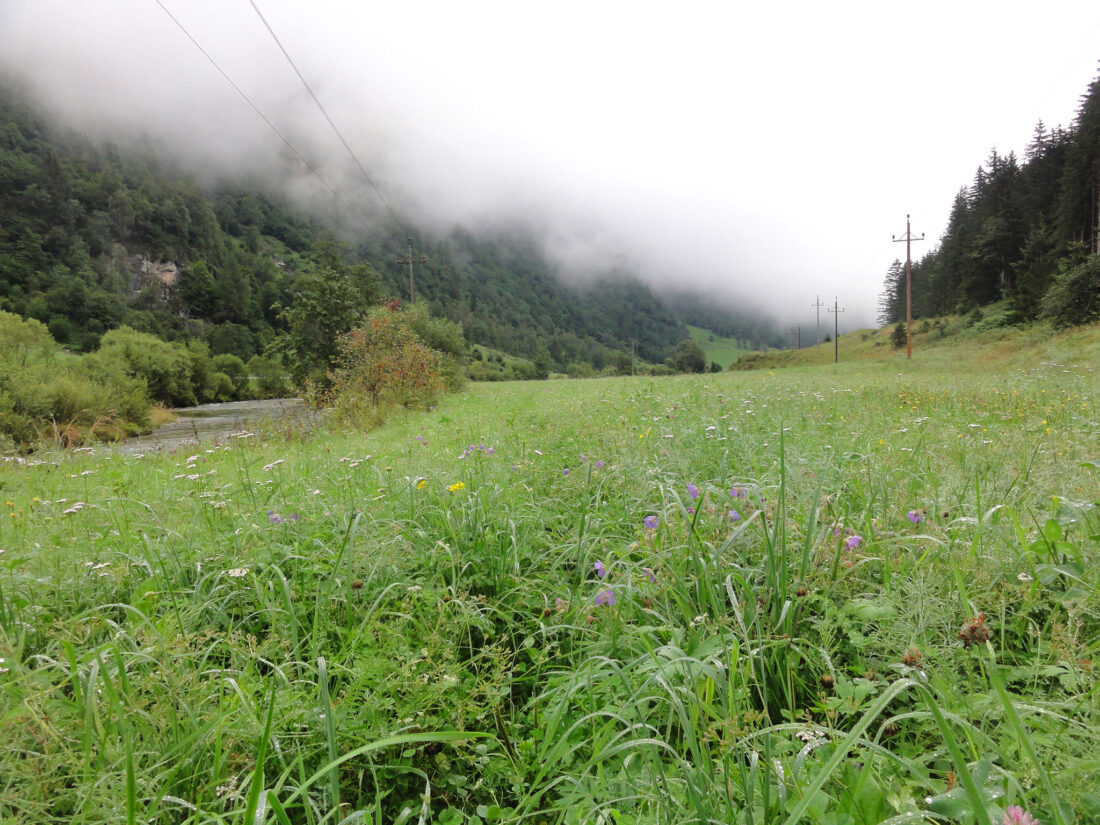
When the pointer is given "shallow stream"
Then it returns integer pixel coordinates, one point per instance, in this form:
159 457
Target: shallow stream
211 423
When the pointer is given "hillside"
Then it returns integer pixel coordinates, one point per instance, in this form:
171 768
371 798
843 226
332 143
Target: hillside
942 341
718 349
93 237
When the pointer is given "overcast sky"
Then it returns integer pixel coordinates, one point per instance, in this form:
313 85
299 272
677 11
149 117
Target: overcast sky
763 152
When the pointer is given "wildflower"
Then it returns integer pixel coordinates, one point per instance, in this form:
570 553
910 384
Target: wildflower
650 522
560 604
237 572
813 738
737 492
601 569
583 459
650 574
565 471
974 632
458 485
599 464
1015 815
274 517
605 598
693 491
915 516
853 542
421 484
734 515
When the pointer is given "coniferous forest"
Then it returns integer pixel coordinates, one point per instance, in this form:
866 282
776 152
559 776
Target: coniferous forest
1025 232
93 237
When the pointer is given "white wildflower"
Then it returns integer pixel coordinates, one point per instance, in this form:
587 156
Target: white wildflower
236 572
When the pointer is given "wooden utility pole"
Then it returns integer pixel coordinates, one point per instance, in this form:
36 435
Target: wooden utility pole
818 304
908 286
836 331
410 259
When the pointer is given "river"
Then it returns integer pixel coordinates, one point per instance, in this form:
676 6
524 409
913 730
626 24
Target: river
209 423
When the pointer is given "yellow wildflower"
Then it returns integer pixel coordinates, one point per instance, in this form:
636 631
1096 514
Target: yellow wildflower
454 488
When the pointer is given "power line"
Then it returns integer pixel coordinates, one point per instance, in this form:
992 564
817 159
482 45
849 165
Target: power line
255 108
324 112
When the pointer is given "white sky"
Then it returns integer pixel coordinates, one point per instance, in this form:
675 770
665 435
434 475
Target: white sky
765 153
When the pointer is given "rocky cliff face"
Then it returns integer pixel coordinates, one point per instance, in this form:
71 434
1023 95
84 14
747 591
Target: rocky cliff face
147 271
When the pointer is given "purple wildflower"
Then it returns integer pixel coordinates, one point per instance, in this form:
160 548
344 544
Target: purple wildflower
853 542
691 511
650 522
737 492
601 569
565 472
274 517
693 491
915 516
583 459
650 574
605 598
599 463
734 515
560 603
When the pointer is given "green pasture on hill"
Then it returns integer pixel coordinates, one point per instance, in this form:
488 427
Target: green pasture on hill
862 594
718 349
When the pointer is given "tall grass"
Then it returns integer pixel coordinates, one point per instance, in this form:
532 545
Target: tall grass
844 596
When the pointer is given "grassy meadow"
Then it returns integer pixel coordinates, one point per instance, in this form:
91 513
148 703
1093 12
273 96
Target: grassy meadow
837 595
717 348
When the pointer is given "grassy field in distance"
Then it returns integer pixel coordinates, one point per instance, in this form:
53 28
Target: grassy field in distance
861 593
723 350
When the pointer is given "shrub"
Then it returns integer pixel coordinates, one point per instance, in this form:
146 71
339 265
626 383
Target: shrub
384 363
1074 297
167 368
898 337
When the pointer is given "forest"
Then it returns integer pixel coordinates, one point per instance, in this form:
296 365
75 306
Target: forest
1024 232
94 237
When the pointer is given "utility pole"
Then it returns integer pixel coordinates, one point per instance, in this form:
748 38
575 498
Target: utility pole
819 305
799 328
410 259
836 331
908 286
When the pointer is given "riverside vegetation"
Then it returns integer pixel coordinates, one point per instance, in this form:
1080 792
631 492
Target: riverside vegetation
858 594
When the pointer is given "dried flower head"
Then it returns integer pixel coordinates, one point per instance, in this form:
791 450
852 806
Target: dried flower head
974 632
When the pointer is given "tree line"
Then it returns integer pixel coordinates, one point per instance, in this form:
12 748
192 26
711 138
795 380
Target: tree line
1023 231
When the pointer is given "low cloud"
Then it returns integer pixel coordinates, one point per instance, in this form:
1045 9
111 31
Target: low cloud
763 157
